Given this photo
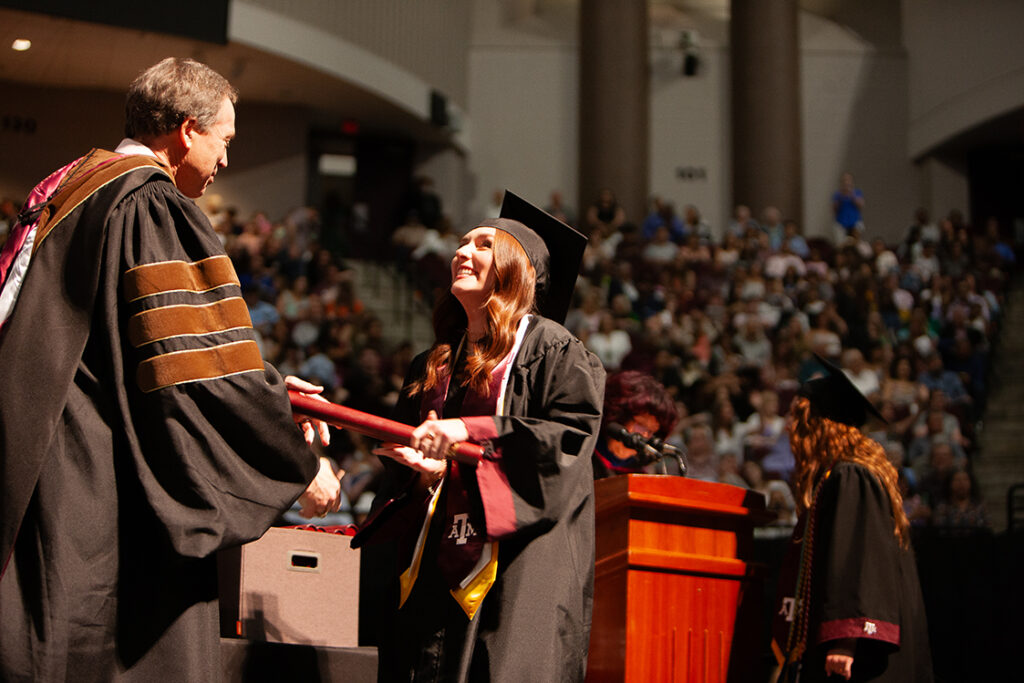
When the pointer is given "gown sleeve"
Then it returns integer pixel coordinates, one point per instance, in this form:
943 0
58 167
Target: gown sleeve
858 581
209 424
538 463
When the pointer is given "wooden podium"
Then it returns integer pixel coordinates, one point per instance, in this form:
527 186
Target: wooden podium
675 596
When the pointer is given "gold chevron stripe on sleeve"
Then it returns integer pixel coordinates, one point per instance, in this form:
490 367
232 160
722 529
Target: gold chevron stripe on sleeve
176 276
180 320
215 362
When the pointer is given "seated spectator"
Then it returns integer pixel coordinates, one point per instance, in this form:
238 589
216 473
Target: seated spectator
727 255
661 251
693 224
764 427
408 237
701 459
771 225
741 222
585 319
318 368
782 261
752 343
694 252
860 374
263 314
293 301
440 242
936 376
793 240
729 470
609 343
899 386
961 507
926 264
952 425
885 261
652 221
726 430
914 507
827 330
923 227
935 470
621 282
559 209
605 214
1000 253
896 454
894 426
972 366
777 494
935 427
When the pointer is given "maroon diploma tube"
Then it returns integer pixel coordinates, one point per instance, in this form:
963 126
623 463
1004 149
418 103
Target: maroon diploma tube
375 427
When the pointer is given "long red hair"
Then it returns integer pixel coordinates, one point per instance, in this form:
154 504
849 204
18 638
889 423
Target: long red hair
819 444
513 296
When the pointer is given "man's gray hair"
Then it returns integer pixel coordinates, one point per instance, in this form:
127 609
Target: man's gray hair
167 93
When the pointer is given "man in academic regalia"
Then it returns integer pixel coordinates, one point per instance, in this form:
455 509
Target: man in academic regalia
140 430
851 603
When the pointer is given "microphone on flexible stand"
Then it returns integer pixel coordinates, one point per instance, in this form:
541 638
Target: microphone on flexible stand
648 449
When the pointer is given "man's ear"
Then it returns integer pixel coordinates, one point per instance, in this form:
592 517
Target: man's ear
185 132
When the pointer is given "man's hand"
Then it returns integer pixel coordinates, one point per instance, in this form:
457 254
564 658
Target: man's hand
309 426
323 495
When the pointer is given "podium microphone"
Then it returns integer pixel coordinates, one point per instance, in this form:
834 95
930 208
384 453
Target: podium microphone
648 449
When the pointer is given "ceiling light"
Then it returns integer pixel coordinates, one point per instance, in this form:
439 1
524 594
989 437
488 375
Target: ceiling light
21 44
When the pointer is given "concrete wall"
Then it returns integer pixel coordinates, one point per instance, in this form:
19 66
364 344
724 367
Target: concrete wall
966 65
425 38
854 119
522 99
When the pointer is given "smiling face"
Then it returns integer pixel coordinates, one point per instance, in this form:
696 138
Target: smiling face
473 268
207 152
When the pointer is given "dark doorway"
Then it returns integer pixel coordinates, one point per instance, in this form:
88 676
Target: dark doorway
359 185
996 179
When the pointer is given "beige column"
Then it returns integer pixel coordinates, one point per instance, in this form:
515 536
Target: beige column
767 161
614 99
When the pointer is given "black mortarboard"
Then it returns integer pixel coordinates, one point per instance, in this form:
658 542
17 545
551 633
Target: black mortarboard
835 397
546 241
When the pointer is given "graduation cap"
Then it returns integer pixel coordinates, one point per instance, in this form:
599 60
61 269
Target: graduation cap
835 397
554 249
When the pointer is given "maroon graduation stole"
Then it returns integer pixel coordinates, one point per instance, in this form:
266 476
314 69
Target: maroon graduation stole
789 627
467 557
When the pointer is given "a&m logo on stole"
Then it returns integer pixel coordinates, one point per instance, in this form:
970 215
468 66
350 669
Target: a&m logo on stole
788 607
461 529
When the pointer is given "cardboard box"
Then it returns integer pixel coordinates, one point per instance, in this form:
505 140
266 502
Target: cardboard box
291 586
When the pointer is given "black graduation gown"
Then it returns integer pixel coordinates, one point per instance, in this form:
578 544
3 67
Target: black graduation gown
863 585
115 499
535 621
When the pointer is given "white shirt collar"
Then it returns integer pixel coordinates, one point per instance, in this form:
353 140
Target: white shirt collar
129 146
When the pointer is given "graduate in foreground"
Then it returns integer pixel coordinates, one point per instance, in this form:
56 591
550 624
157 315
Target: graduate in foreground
495 560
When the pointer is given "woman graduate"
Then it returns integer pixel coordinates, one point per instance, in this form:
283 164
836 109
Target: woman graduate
496 559
854 610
